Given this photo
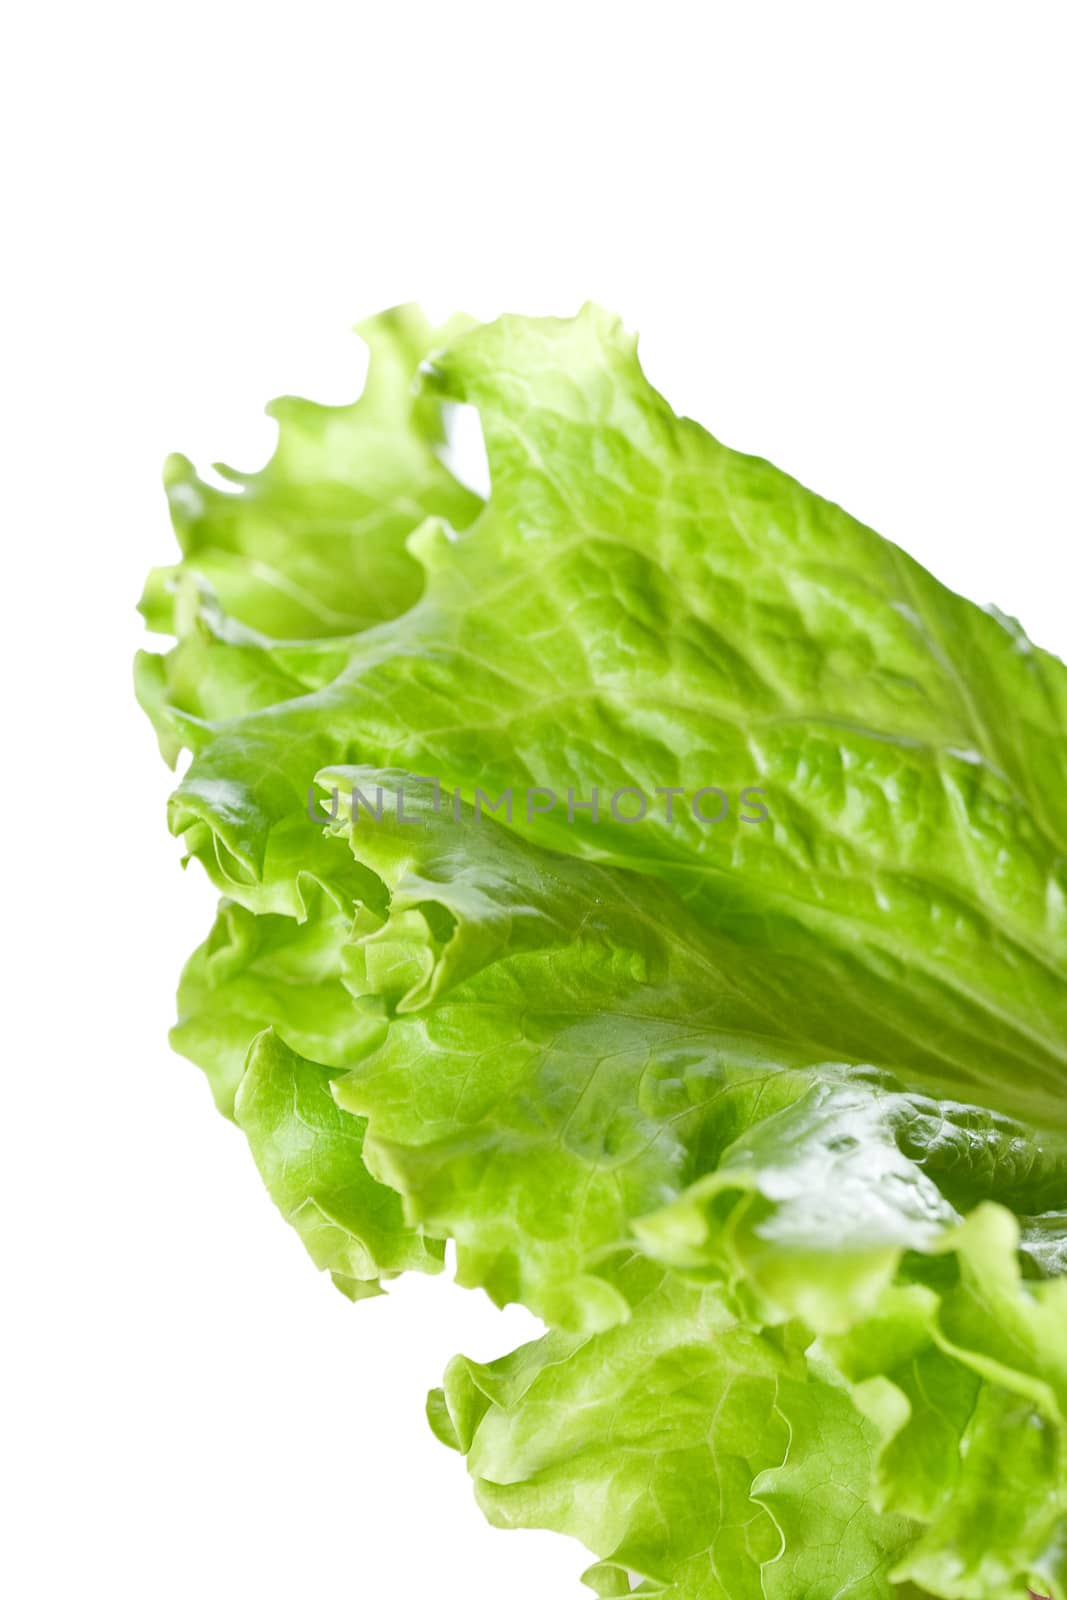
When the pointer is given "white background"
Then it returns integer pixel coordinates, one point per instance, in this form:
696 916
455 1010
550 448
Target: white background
839 230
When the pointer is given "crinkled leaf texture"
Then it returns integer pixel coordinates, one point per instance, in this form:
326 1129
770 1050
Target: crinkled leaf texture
766 1118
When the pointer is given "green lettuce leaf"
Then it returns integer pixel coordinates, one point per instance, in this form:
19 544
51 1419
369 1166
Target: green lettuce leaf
313 547
706 1459
766 1115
